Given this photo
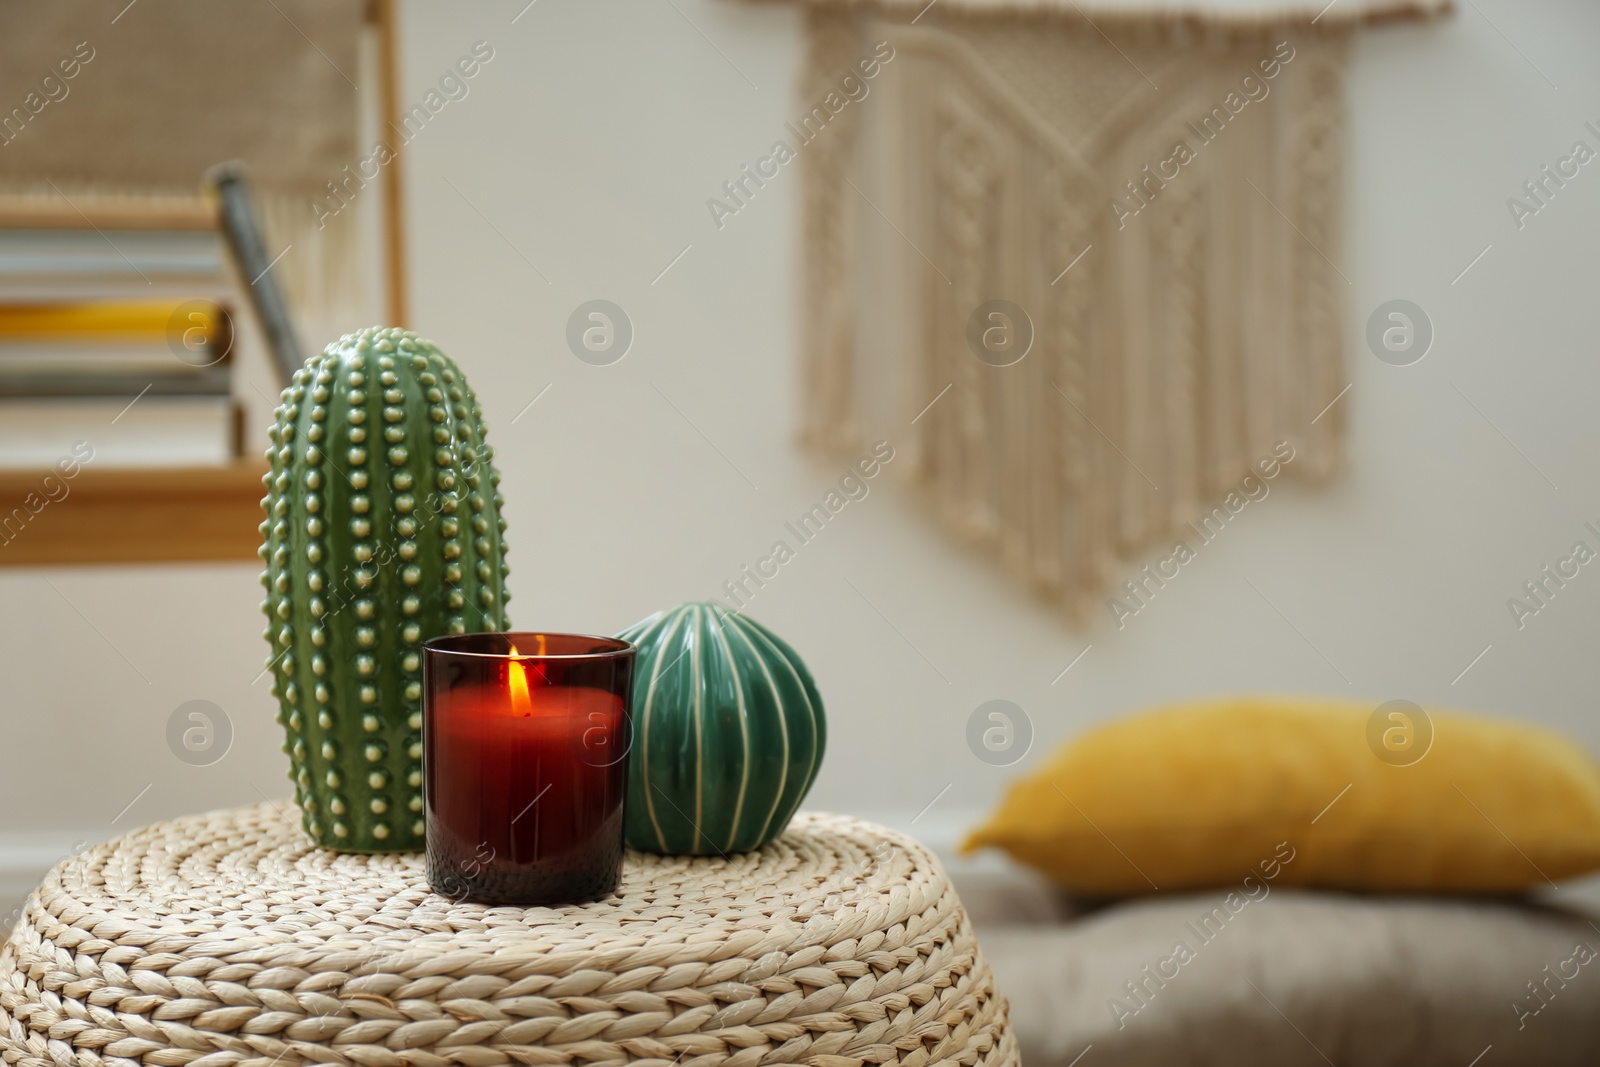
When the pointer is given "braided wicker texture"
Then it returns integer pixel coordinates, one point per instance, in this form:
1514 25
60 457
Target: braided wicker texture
228 940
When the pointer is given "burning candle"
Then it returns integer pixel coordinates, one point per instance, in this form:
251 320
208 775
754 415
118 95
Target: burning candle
525 745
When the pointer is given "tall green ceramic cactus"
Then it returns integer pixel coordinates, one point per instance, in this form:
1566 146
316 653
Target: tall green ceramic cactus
383 530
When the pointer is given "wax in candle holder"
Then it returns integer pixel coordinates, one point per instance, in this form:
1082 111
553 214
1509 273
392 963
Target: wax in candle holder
525 765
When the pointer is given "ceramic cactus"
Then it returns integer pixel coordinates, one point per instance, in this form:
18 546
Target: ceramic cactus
383 530
728 733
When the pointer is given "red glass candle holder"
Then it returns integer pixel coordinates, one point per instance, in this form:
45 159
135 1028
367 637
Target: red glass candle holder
525 765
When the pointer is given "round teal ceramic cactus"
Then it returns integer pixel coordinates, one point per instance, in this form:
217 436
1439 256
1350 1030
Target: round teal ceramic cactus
728 733
383 530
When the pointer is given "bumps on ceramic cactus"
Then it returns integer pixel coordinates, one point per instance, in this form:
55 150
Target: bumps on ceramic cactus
382 530
728 733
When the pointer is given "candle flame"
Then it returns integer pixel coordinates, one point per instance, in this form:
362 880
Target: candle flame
517 678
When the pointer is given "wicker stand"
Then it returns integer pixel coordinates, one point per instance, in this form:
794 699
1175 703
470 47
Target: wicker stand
227 940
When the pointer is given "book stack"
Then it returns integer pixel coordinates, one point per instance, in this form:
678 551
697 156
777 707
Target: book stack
123 338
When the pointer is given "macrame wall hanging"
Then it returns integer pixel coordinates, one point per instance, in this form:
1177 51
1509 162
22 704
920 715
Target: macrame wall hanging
1153 194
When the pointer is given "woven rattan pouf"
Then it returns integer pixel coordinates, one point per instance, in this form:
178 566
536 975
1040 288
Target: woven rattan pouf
228 940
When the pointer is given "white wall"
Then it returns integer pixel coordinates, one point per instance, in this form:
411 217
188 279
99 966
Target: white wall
591 142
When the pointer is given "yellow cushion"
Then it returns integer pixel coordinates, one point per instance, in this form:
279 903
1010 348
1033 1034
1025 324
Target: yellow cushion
1202 794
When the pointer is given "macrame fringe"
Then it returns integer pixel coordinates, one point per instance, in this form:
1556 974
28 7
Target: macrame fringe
1176 340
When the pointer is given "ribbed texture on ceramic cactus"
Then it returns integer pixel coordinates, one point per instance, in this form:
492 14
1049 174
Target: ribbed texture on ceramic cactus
383 530
728 732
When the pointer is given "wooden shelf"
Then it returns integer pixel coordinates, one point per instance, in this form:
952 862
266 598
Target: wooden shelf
126 515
